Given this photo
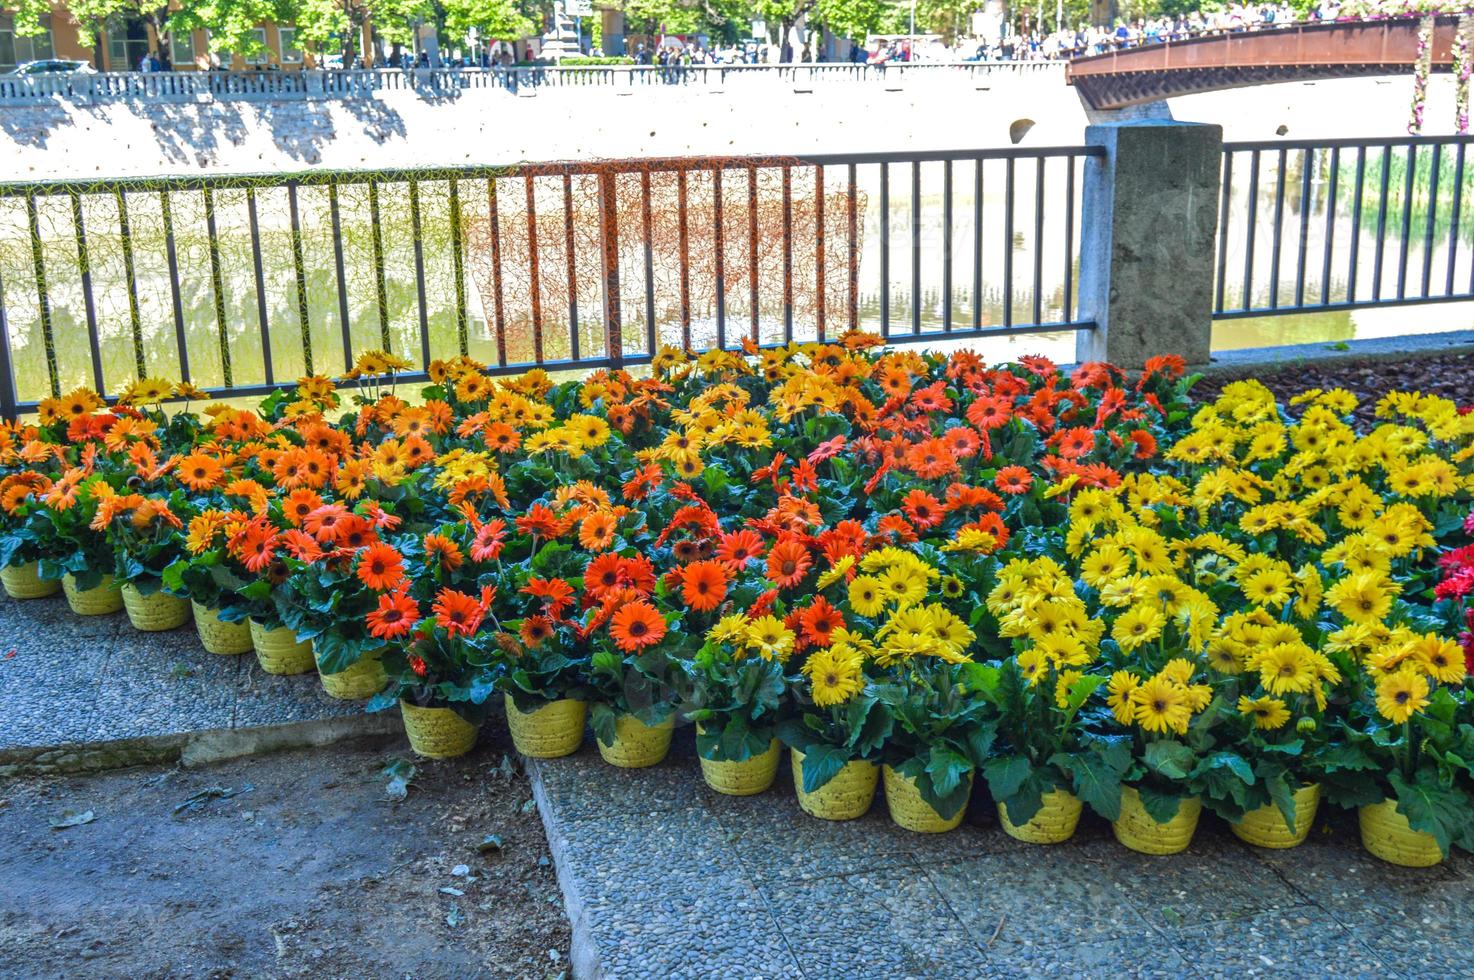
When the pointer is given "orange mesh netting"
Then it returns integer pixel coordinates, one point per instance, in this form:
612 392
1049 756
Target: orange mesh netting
786 245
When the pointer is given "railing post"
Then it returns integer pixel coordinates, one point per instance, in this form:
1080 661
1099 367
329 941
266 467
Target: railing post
609 247
1149 225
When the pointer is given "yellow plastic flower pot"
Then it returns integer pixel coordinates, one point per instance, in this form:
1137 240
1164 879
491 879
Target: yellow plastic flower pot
278 651
154 613
550 732
363 678
1137 829
845 797
25 582
1386 834
746 778
217 636
1055 822
1266 827
637 745
437 733
910 812
103 600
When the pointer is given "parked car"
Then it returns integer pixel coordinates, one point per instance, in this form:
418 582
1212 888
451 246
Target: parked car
53 66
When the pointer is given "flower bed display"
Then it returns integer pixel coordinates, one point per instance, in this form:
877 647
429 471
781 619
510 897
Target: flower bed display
1064 589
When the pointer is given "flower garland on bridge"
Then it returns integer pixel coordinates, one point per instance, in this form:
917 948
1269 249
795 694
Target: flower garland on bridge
1074 589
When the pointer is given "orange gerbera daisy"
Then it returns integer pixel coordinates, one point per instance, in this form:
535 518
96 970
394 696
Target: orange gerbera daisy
1145 443
924 510
930 459
502 437
737 547
442 551
597 531
788 563
1073 443
556 594
457 612
704 585
354 532
819 621
1013 480
322 523
990 413
381 568
636 625
299 504
536 629
200 471
963 441
395 617
540 520
255 546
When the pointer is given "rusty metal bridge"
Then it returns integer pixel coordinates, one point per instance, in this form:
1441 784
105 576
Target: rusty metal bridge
1305 52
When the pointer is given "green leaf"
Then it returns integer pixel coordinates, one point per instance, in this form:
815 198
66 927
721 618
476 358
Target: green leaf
1283 794
1438 810
946 769
1161 807
601 719
1005 774
1096 776
1168 758
821 763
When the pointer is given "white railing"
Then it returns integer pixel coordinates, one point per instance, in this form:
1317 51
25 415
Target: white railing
260 86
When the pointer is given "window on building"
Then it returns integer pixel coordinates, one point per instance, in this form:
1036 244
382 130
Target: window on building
181 48
260 57
126 45
16 49
290 53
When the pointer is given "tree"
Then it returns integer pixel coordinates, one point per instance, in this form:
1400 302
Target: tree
500 19
858 19
231 23
28 16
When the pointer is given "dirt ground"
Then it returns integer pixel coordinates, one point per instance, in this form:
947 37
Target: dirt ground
296 864
1447 375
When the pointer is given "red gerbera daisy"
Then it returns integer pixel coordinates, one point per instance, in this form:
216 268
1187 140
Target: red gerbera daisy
487 545
924 510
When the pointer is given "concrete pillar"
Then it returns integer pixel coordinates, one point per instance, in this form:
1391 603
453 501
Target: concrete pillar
1146 258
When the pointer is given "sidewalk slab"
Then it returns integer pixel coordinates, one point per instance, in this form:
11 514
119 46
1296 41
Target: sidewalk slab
85 693
664 878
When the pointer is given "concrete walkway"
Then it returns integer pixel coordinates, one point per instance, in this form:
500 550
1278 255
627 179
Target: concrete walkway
664 878
85 693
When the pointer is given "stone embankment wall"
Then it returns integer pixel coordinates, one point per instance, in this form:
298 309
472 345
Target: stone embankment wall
757 116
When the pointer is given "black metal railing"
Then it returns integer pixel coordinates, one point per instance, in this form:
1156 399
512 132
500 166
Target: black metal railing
239 284
1330 225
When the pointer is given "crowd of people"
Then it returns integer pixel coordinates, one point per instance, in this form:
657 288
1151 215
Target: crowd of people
1021 45
1073 43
